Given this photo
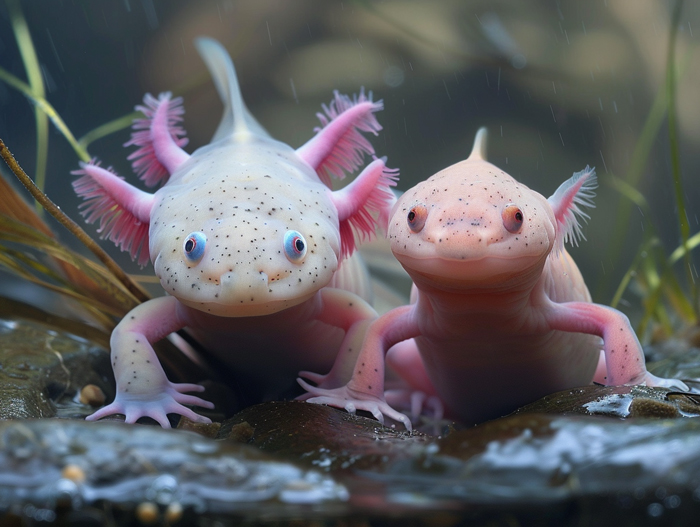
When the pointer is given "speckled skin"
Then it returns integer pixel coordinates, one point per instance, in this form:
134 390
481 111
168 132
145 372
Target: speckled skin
500 318
244 209
263 309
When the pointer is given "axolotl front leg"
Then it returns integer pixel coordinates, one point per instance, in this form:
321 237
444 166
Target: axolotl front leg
622 355
365 389
344 310
142 386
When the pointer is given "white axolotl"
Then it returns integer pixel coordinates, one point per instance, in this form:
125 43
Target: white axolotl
501 315
246 237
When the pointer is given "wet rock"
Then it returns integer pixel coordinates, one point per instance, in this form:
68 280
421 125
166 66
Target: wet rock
548 456
42 368
516 469
240 432
322 437
616 455
210 430
48 462
55 367
617 401
567 468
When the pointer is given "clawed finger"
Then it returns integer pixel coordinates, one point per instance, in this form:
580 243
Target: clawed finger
189 414
193 400
185 387
313 377
105 411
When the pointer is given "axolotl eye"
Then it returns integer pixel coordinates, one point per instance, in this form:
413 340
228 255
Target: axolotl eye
512 218
416 217
294 246
194 246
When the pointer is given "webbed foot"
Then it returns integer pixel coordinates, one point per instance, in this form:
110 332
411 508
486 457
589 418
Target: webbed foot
156 406
419 402
351 400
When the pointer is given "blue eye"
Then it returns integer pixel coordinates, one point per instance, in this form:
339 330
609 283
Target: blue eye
194 246
294 246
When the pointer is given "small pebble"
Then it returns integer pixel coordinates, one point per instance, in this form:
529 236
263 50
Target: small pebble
646 407
241 432
92 395
73 473
173 513
205 429
147 513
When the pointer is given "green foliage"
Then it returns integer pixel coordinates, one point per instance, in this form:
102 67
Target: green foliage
35 87
665 299
28 248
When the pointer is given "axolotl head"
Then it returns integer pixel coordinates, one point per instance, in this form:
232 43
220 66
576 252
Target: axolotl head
248 245
471 224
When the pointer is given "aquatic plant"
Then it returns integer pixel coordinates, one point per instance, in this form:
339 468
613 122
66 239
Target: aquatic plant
101 289
104 291
653 271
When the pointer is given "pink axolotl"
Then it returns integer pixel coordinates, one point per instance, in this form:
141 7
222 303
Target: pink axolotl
501 314
246 237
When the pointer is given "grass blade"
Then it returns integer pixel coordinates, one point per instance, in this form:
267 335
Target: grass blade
36 85
45 106
109 128
22 265
73 227
640 156
639 159
683 223
682 250
642 253
92 279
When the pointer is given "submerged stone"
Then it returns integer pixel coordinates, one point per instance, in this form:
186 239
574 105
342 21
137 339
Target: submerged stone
55 367
617 401
42 367
520 467
322 437
74 464
614 455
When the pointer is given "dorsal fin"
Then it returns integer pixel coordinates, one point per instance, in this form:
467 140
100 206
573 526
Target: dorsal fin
576 191
237 120
479 148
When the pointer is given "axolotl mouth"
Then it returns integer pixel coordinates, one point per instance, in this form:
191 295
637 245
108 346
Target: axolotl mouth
246 293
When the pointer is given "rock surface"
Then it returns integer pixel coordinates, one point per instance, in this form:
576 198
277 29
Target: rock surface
589 456
42 367
60 465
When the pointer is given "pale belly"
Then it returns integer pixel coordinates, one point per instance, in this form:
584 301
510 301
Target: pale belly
492 364
265 354
484 380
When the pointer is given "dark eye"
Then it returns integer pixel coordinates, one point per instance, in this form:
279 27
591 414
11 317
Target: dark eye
294 246
512 218
416 218
194 246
